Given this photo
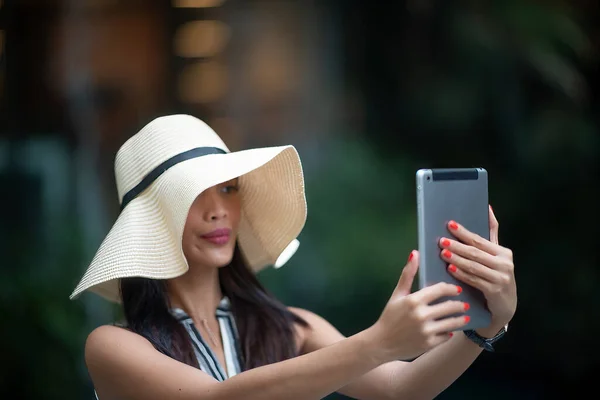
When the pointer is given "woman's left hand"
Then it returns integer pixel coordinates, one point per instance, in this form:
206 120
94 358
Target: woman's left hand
485 265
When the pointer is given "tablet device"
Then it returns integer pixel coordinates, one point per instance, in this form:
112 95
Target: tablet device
451 194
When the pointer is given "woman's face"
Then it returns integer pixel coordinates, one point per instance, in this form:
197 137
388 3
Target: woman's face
211 228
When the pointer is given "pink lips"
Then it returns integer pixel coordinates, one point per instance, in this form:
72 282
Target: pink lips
218 236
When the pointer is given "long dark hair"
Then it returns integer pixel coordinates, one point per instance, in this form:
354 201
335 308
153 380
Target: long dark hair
265 325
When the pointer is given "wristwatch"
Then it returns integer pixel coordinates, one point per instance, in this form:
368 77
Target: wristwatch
485 343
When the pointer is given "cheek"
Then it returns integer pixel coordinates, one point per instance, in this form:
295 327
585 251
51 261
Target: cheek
235 213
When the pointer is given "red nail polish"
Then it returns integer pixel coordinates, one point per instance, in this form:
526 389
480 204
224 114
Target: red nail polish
447 253
467 306
410 256
467 319
445 242
451 334
452 268
453 225
459 289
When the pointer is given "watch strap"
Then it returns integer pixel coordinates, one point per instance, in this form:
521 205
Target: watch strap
485 343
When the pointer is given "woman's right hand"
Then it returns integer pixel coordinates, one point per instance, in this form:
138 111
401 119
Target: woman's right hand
409 325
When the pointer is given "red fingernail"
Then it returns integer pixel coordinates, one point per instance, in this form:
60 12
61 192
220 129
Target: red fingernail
467 306
410 256
451 334
445 242
452 268
453 225
467 319
446 253
459 289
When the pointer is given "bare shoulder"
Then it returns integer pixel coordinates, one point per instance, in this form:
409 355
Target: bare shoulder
111 335
103 349
318 334
123 364
105 340
314 320
303 313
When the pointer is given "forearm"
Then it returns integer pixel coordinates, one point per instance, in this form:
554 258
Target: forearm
434 371
310 376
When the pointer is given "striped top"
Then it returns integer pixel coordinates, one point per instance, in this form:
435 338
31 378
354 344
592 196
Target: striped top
207 359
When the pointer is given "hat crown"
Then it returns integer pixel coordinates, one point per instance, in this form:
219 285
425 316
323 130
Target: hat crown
158 141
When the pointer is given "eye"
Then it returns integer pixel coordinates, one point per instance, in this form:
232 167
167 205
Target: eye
230 188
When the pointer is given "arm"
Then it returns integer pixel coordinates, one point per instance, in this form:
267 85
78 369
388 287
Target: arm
480 263
423 378
124 365
434 371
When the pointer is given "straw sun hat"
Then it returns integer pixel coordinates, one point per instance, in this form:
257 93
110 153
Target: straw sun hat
159 173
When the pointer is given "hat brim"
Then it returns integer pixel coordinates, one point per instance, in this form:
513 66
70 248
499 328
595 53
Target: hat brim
146 239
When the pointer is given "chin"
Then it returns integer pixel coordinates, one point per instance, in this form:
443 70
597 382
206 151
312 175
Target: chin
222 262
210 257
219 258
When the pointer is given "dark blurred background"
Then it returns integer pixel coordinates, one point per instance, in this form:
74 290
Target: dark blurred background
368 92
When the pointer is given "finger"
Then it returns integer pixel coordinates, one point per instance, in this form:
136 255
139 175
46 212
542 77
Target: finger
446 309
487 273
434 292
470 279
445 325
470 253
440 338
408 274
473 239
493 226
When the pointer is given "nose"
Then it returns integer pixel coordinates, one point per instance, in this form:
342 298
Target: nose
214 206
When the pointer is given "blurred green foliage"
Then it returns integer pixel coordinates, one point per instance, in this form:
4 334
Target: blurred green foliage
43 331
360 230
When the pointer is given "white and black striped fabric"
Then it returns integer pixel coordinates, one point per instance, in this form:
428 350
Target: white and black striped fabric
229 335
207 360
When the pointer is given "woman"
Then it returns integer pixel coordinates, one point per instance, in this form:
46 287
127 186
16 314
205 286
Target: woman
196 223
